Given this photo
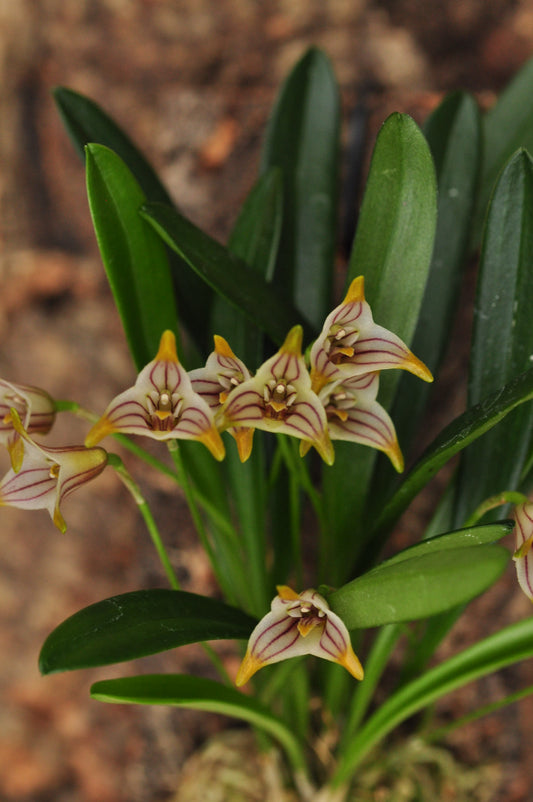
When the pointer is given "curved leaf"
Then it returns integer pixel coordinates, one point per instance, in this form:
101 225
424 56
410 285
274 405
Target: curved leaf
302 139
456 436
137 624
197 693
133 255
502 343
509 646
419 587
246 289
392 248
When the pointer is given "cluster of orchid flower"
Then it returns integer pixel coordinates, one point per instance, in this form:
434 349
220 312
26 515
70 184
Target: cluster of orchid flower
333 399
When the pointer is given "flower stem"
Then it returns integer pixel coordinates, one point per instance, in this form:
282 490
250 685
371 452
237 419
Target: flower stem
505 497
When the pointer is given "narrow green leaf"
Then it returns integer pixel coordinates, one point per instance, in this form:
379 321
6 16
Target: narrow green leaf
509 646
502 345
396 229
198 693
506 127
460 538
419 587
302 139
87 122
246 289
456 436
133 255
255 240
454 135
392 249
137 624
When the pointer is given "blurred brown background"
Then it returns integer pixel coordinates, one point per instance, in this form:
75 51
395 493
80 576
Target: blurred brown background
192 81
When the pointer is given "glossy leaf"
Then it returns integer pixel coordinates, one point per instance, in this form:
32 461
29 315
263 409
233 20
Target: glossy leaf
454 438
392 248
87 122
137 624
453 132
246 289
507 126
504 648
418 587
302 139
197 693
502 343
133 255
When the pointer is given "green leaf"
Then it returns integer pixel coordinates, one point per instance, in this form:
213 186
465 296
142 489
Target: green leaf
393 246
506 127
456 436
460 538
133 255
504 648
302 139
86 122
254 239
502 345
197 693
246 289
454 135
407 589
136 624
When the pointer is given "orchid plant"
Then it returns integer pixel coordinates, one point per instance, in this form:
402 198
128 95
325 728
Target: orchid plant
277 405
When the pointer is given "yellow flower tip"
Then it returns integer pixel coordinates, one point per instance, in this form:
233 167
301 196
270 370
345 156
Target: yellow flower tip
293 342
524 549
101 429
244 438
324 446
16 453
318 380
213 441
59 521
222 347
395 455
417 367
167 348
305 445
286 593
16 422
350 662
356 291
247 669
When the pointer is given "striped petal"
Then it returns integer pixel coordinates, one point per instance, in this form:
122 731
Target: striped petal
162 405
298 624
36 410
279 398
523 555
222 372
48 475
351 344
353 414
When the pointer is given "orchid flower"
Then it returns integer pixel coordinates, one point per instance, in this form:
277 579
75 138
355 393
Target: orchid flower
47 475
354 414
162 404
279 398
298 624
223 372
523 555
36 410
351 344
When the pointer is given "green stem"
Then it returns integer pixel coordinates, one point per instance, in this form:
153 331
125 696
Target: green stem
506 497
116 462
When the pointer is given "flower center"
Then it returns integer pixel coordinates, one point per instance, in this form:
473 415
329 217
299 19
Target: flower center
53 473
163 410
278 397
339 343
309 615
